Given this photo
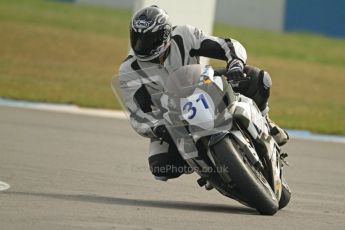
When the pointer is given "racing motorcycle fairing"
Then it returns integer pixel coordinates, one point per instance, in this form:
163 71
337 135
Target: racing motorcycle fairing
194 105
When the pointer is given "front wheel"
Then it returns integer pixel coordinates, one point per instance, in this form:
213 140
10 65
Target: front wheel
250 182
286 195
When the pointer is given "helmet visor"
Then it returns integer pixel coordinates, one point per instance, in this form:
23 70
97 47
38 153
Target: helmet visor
146 44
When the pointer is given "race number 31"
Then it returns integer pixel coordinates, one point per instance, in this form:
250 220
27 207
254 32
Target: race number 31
190 108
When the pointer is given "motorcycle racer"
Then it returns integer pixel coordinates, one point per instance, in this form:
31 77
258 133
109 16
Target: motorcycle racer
155 42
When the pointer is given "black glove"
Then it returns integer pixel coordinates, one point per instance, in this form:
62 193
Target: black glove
235 71
162 133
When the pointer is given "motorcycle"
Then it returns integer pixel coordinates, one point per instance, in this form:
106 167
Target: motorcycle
221 134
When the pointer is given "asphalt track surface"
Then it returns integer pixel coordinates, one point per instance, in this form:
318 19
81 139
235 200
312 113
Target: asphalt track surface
83 172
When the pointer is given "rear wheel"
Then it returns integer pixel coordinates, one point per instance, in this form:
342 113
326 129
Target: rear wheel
249 181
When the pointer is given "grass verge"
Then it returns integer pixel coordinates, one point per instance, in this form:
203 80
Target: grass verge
67 53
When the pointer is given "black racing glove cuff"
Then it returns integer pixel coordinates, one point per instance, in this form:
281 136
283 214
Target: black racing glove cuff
162 133
235 71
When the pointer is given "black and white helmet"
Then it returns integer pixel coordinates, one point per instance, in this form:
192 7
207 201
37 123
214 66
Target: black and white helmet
150 32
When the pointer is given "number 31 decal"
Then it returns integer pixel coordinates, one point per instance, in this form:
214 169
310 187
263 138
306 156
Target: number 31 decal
189 106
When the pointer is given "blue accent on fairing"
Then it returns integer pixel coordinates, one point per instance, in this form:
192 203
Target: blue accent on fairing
320 16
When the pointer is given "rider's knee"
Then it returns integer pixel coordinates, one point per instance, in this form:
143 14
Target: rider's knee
262 94
164 165
266 80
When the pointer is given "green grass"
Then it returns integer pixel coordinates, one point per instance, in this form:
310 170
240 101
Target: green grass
294 46
62 53
67 53
308 75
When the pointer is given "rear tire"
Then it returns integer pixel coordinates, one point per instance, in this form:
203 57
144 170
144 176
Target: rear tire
247 180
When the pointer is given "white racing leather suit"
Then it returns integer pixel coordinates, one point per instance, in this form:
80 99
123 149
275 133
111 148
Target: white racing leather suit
137 85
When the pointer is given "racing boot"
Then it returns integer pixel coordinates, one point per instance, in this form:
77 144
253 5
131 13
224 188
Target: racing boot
279 134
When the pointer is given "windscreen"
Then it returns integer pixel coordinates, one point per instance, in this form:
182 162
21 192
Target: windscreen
189 101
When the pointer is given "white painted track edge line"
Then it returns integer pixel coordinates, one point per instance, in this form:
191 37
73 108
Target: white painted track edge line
118 114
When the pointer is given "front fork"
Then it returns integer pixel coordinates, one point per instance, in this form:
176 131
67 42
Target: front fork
250 119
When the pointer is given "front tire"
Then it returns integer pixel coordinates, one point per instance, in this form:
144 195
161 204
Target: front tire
286 195
247 180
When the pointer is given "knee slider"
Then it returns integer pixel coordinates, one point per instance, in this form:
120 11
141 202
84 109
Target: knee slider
163 165
266 80
263 91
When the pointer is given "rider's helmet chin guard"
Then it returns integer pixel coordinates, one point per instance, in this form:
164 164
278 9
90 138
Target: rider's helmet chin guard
150 33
